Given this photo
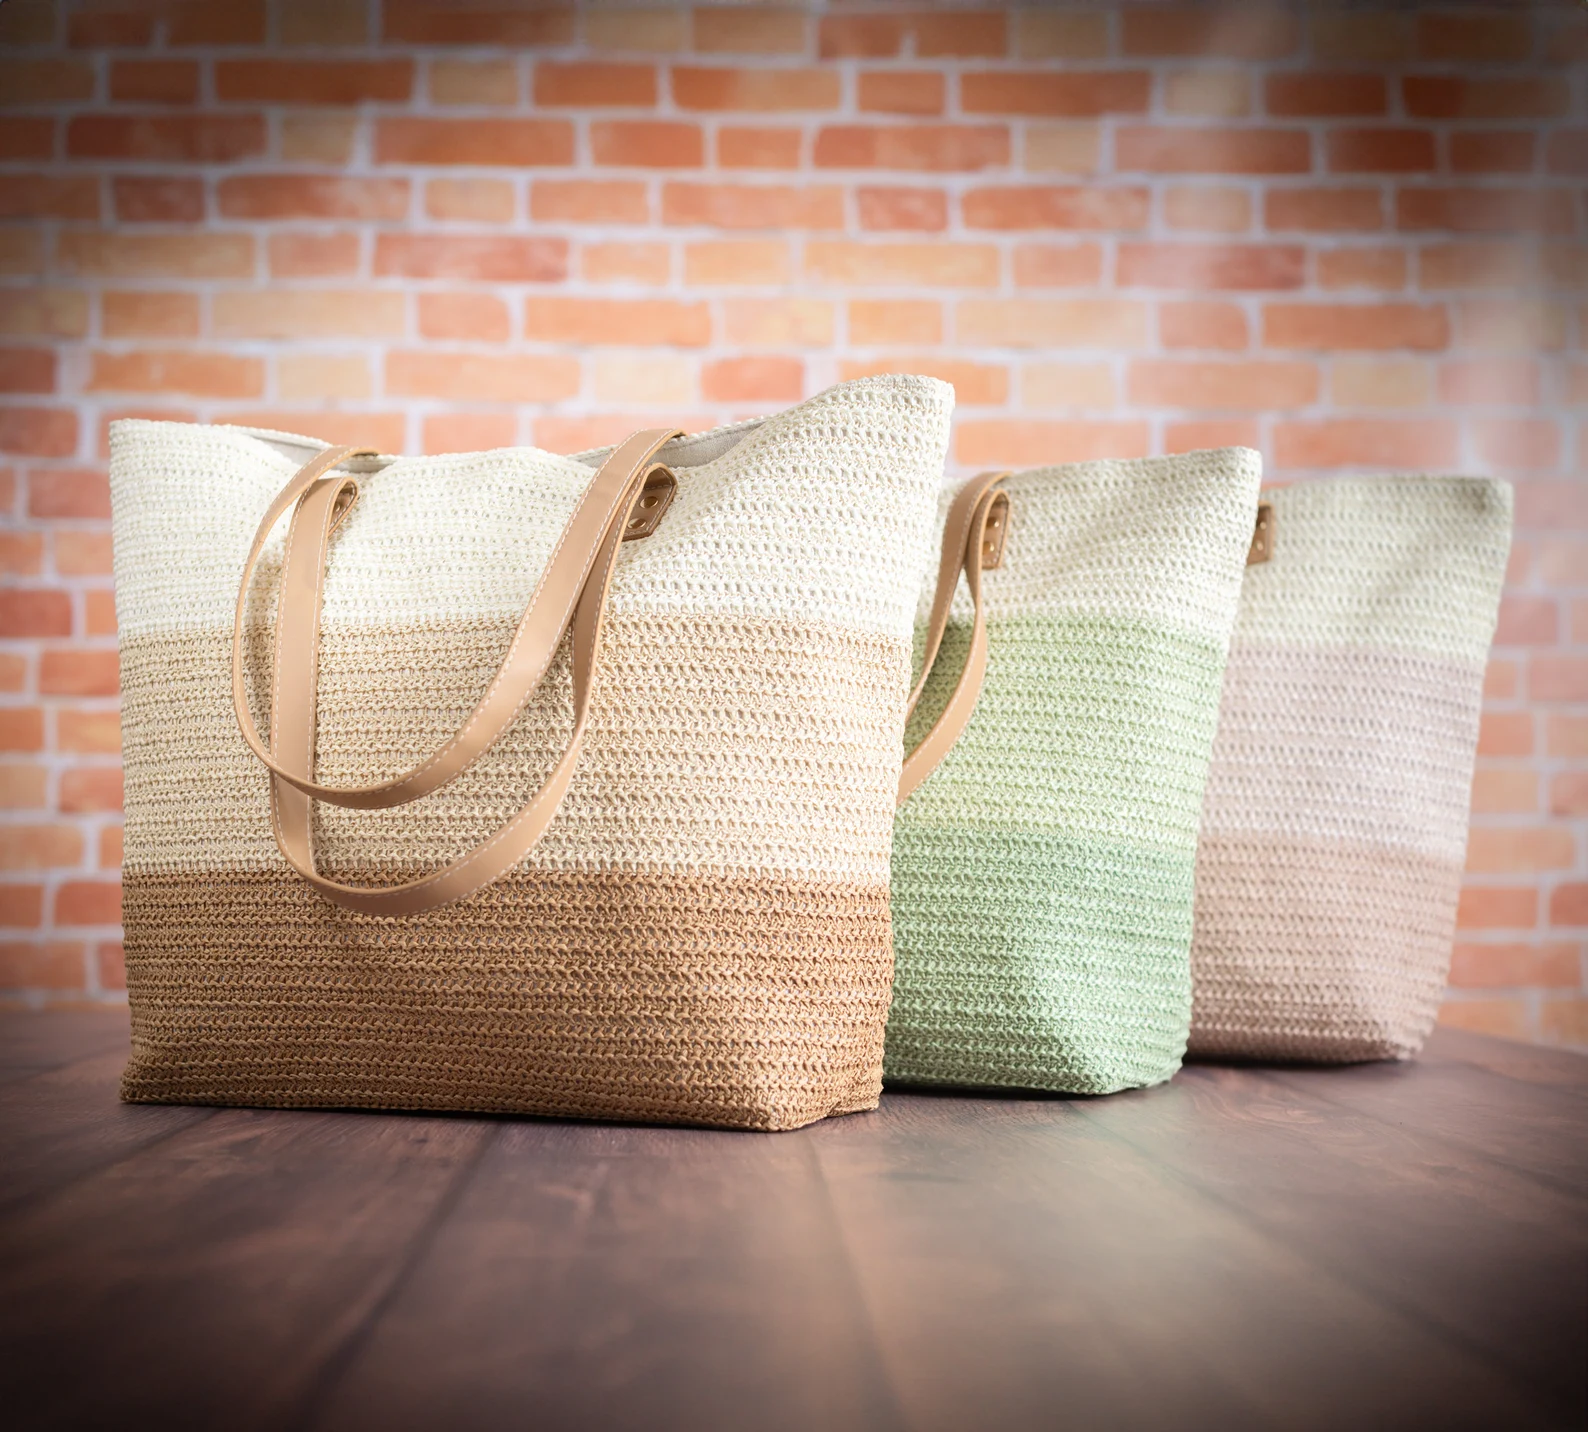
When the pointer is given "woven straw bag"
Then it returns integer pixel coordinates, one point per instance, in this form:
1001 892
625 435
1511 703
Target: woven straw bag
688 921
1044 851
1335 826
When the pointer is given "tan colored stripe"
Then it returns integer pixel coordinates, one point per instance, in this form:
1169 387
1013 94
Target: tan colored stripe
714 744
1348 745
742 1002
1317 949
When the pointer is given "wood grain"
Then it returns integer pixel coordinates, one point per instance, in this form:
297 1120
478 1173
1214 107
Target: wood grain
1385 1246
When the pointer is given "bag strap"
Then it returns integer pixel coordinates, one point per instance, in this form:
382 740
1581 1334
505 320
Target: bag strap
631 489
973 543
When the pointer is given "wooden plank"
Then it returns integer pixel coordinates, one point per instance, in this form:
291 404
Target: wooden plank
65 1123
1027 1269
206 1281
1494 1260
35 1040
619 1277
1557 1068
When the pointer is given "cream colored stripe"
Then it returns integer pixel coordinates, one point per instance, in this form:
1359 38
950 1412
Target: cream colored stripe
1347 745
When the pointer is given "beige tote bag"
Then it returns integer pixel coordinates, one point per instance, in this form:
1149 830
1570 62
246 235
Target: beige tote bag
1334 828
572 780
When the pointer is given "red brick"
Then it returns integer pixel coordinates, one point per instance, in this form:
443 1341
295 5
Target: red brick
39 847
154 81
594 201
1356 326
959 34
1527 621
628 322
1566 266
1418 444
1482 35
1568 904
498 259
1211 433
169 138
1211 266
13 674
1188 149
585 83
1487 210
1566 152
468 432
1514 324
757 90
102 30
1473 264
1558 678
21 252
647 143
1383 150
759 323
1568 735
41 81
626 263
1489 382
312 196
143 200
941 148
21 554
110 965
41 964
1517 443
21 727
1197 383
479 22
1504 791
82 554
1058 265
1505 733
1025 442
1381 268
99 612
1073 93
1054 323
758 380
111 847
884 209
890 320
48 196
1464 97
39 432
102 254
863 36
482 377
1322 94
78 671
464 317
743 206
34 611
1568 793
1201 324
1515 966
313 255
749 30
88 902
1323 210
975 384
1514 849
934 263
1242 34
27 137
1497 151
758 147
27 370
21 906
88 732
201 372
90 790
1056 207
498 143
68 492
475 201
736 261
302 81
901 92
308 313
1207 208
202 22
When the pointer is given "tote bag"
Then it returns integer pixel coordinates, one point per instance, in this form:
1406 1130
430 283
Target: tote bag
1044 849
1335 826
639 871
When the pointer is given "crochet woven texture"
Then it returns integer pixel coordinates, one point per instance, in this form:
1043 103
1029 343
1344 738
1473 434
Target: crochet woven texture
1335 827
703 933
1042 875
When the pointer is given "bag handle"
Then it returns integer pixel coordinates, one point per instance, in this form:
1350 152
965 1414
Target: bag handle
630 492
973 543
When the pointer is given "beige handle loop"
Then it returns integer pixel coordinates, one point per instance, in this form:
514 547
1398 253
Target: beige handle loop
634 493
973 542
522 669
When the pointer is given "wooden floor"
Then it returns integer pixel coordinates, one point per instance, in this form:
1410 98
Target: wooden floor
1376 1247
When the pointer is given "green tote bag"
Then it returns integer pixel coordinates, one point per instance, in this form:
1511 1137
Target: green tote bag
1045 846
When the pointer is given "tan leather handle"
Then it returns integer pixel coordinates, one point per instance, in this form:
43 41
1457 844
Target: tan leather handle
973 542
530 652
639 493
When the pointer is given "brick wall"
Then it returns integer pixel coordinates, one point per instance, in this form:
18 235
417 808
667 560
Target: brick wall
1352 238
